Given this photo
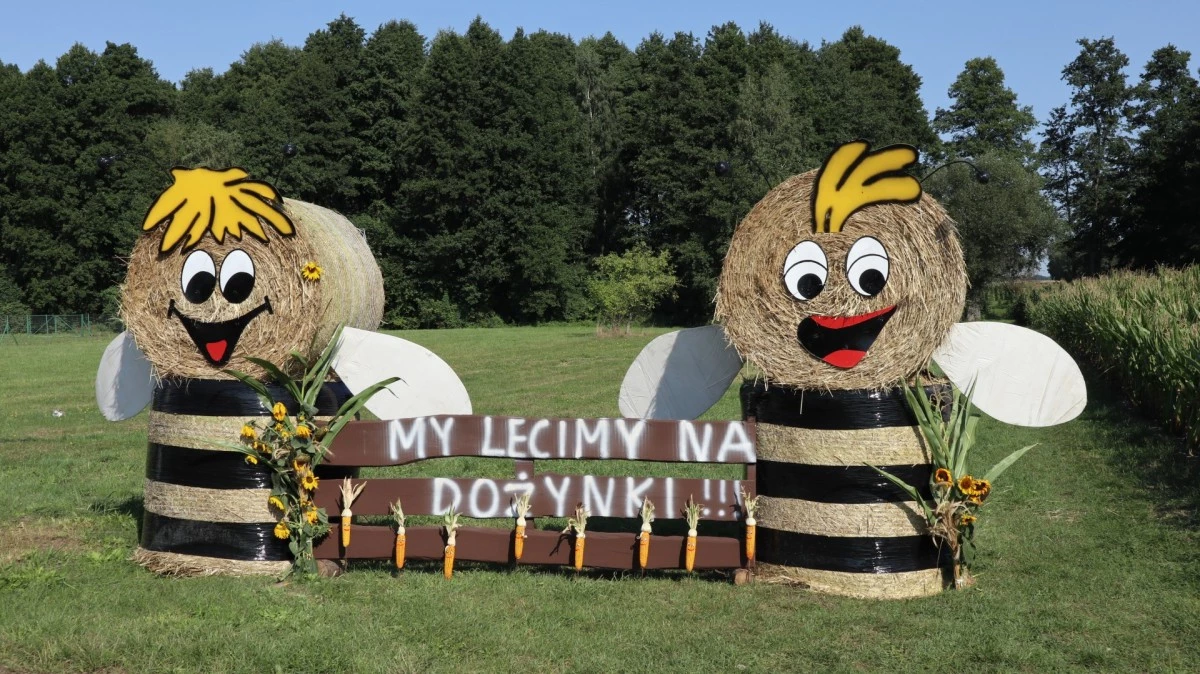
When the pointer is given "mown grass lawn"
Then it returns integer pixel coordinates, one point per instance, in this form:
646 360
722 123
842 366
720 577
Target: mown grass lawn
1089 557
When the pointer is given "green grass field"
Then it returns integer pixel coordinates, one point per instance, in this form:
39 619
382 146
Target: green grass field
1089 558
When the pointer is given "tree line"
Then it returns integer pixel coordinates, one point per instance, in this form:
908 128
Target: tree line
490 175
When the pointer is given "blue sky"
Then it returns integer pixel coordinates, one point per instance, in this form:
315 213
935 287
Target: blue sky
1032 41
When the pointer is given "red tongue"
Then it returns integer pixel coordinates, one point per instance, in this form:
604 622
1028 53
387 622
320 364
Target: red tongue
216 349
844 358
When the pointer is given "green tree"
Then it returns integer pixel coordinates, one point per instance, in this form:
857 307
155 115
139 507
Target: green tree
1161 224
625 288
984 116
1099 158
1006 225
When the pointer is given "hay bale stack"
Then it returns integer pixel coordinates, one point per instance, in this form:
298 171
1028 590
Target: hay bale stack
302 315
206 510
826 520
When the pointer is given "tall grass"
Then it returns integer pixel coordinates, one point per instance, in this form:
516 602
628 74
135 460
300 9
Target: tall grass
1143 330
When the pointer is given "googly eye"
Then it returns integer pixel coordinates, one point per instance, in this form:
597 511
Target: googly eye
199 277
805 270
867 266
237 276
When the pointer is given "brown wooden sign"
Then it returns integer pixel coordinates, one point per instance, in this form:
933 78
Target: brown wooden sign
402 441
552 496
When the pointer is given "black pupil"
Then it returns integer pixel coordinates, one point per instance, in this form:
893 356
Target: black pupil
810 285
872 281
199 287
238 288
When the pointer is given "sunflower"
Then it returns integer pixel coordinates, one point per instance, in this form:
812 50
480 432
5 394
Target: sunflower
943 476
311 515
251 459
262 447
279 411
303 432
248 434
309 481
975 499
276 502
982 488
300 465
966 484
967 519
281 530
311 271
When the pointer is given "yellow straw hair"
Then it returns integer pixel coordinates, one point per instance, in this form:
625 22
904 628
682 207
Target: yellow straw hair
203 200
853 178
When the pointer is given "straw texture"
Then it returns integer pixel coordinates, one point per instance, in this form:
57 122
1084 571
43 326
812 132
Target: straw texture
874 520
174 564
907 585
927 283
302 316
902 446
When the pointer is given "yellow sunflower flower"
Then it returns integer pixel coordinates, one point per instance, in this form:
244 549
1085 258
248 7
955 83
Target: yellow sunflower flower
311 271
281 530
248 434
300 466
943 476
276 502
967 519
251 459
279 411
982 488
966 484
311 515
975 499
303 432
309 481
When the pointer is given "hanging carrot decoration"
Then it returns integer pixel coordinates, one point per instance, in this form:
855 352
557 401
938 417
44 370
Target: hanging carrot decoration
451 530
401 539
750 503
521 504
692 513
644 537
578 523
349 493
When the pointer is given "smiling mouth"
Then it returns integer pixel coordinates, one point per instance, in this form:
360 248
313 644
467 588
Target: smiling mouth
842 341
217 340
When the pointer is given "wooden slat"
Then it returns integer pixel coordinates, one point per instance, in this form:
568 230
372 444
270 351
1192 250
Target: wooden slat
403 441
604 550
553 496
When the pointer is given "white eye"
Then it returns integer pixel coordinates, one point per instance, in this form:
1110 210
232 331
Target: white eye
867 266
805 271
237 276
199 277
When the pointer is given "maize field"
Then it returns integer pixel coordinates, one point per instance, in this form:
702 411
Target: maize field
1142 330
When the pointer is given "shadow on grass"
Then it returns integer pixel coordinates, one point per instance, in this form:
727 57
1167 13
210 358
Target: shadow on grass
133 507
1158 460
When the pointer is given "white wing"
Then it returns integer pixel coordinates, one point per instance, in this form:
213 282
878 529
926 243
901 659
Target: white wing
125 380
427 384
679 375
1021 377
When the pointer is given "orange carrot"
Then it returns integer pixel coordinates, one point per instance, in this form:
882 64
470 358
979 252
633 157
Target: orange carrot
521 504
750 503
401 538
349 493
644 537
578 523
692 514
451 530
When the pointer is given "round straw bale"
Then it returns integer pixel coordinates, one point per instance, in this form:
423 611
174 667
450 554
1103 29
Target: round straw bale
286 312
926 283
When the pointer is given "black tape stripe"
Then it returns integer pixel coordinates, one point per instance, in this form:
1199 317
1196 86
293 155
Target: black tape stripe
247 542
850 554
205 468
839 484
829 410
212 469
222 398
